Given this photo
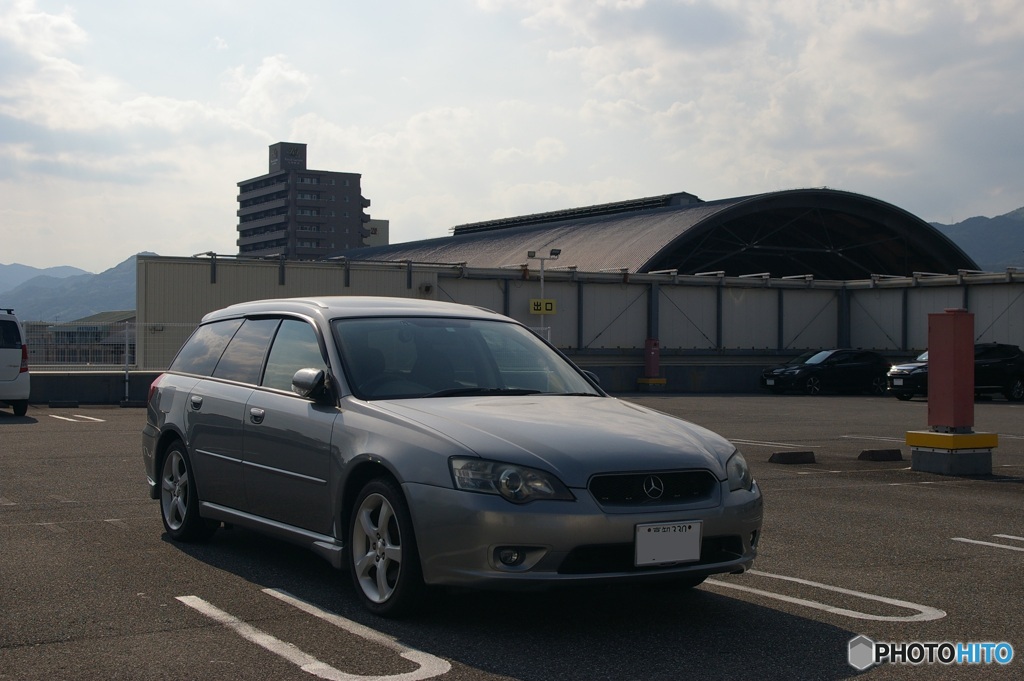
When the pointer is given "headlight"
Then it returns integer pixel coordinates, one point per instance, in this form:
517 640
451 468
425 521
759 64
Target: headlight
920 370
739 473
518 484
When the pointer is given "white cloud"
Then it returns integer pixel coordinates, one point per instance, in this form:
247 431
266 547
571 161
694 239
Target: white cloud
504 107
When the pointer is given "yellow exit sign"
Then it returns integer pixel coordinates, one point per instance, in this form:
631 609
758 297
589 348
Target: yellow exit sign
542 306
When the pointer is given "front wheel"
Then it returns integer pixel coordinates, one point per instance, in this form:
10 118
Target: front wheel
1015 391
383 557
179 503
904 396
812 385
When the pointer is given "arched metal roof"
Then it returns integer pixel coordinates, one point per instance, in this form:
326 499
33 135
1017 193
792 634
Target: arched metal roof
825 233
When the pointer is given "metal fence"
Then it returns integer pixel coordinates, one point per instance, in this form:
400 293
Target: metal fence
60 346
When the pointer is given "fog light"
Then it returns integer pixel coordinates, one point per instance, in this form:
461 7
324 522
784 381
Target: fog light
753 539
511 556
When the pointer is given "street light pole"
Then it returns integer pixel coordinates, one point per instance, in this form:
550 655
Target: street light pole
552 255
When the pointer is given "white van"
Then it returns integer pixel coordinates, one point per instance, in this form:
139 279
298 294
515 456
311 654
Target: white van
14 378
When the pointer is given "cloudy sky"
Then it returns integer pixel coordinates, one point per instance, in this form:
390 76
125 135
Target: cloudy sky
125 125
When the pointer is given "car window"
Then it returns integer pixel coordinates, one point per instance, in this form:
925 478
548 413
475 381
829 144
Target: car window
203 349
295 347
986 352
10 337
242 360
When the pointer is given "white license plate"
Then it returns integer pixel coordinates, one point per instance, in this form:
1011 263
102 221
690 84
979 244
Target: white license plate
897 381
769 381
660 543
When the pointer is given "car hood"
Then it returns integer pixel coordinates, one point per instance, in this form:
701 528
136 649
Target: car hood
907 368
779 368
572 436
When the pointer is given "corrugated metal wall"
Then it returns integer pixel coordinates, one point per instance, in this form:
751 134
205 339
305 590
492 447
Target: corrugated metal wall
600 313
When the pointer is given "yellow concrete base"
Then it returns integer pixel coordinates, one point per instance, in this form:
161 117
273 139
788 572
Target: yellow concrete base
651 384
928 439
951 453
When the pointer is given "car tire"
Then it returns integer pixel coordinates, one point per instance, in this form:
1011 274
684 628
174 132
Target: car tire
20 407
879 385
383 557
812 385
903 397
1015 391
179 502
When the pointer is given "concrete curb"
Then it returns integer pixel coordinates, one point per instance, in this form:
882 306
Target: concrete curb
791 457
880 455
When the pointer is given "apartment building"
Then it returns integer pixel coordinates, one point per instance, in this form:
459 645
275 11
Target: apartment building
298 213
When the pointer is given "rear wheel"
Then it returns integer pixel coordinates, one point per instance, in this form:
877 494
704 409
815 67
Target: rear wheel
20 407
179 503
1015 391
383 557
879 385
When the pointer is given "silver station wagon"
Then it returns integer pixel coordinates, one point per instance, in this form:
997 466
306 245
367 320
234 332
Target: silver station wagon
417 443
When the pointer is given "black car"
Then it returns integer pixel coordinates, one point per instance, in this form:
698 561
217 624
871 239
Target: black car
998 368
842 370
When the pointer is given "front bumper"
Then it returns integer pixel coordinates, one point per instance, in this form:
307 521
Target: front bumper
461 534
780 381
912 384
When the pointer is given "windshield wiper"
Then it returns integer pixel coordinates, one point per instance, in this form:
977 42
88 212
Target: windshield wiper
457 392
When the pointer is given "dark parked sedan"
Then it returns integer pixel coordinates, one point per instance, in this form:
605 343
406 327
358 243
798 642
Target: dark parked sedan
998 368
841 370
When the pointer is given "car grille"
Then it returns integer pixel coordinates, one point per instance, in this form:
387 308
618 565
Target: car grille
653 489
605 558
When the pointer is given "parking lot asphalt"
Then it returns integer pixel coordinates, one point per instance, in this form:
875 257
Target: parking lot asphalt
91 588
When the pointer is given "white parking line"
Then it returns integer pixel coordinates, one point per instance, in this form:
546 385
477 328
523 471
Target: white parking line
760 443
872 437
991 543
78 418
429 666
924 612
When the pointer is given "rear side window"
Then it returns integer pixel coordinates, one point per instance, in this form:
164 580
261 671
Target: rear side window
295 347
242 361
202 351
10 336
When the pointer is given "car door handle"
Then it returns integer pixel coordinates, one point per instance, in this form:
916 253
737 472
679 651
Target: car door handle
256 415
196 401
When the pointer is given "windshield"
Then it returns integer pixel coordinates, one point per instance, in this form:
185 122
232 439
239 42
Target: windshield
812 357
923 357
409 357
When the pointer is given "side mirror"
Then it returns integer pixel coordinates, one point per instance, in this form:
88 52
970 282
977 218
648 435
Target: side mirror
312 384
592 376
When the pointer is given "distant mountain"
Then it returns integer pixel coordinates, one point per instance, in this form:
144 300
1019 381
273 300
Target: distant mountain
993 243
52 299
16 274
